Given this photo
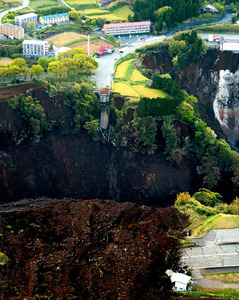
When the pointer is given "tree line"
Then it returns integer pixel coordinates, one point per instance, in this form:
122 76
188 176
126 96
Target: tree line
71 62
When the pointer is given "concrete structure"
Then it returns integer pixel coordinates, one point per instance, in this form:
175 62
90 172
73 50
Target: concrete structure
180 280
230 45
127 28
31 17
208 9
51 19
12 31
35 48
60 50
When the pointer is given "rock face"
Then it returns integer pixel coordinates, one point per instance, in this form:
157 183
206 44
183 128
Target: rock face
87 250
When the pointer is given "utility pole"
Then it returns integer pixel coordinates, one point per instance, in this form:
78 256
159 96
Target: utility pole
88 44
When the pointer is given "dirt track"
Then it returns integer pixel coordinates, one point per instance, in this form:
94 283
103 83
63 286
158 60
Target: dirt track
9 92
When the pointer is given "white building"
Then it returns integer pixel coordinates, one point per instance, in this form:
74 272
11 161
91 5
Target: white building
34 48
230 45
180 280
31 17
127 28
51 19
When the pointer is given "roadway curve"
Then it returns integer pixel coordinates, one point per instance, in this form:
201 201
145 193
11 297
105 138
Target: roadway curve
25 3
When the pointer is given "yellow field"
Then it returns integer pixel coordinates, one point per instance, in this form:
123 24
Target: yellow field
94 45
82 4
137 76
5 60
66 37
147 92
125 90
121 69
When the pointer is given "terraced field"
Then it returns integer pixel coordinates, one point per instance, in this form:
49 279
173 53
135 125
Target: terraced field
123 12
82 4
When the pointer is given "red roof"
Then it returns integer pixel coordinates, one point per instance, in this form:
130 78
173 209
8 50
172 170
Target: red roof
127 24
103 49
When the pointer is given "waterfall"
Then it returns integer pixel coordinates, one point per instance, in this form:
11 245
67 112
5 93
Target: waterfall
226 105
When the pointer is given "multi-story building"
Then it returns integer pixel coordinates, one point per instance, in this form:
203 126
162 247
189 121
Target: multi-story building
51 19
31 17
35 48
12 31
127 28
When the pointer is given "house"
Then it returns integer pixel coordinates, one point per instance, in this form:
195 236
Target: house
31 17
35 48
180 280
12 31
127 28
214 37
104 50
57 18
208 9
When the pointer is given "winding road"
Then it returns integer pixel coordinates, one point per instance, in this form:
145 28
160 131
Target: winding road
25 3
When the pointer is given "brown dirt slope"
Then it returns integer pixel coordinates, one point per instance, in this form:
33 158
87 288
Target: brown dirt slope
87 250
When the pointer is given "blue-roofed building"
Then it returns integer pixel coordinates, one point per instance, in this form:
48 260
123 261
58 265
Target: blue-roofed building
51 19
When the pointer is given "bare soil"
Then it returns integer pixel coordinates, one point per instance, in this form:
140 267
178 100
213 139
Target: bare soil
10 92
94 45
88 249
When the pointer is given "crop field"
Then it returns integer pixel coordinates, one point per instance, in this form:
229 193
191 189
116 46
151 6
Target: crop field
122 68
5 60
94 45
110 17
7 4
123 12
148 92
95 11
137 76
65 38
82 4
125 90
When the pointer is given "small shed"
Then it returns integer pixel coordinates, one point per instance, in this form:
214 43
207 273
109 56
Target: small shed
180 280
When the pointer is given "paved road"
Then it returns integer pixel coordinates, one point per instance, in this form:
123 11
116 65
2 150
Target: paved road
218 248
25 3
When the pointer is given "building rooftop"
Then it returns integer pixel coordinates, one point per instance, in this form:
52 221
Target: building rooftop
25 16
55 16
34 42
127 24
11 26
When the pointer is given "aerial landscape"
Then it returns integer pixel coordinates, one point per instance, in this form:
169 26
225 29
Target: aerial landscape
119 149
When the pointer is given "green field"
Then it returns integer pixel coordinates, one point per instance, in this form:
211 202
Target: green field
123 12
95 12
82 4
36 4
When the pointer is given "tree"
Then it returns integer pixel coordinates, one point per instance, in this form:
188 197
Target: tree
92 128
208 198
13 71
31 26
36 70
93 22
4 73
145 131
70 53
73 15
21 64
43 62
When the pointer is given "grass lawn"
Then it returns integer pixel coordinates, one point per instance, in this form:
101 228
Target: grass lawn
83 4
123 12
148 92
125 89
232 277
137 76
219 221
110 17
95 45
209 292
5 60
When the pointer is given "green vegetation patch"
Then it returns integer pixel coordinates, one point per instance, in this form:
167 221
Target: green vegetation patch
232 277
122 11
210 292
3 259
220 28
82 4
95 12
